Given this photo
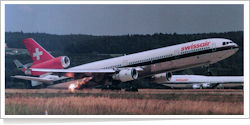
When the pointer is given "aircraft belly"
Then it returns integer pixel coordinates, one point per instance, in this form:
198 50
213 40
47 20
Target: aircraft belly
217 56
185 63
180 86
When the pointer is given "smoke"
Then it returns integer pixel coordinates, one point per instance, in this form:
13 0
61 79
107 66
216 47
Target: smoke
76 84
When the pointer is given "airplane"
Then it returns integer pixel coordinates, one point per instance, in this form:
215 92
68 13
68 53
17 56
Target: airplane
127 68
196 81
41 59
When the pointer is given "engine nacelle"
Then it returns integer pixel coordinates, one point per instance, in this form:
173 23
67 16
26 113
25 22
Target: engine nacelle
197 86
162 78
206 85
201 86
65 61
56 63
126 75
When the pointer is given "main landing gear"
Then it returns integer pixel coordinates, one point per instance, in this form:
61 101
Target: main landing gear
114 85
130 87
208 70
117 85
110 87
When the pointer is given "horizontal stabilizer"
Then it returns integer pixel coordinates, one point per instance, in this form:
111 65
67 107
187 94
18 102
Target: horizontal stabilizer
33 78
18 64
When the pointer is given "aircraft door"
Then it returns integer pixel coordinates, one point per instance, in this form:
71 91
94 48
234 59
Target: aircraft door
213 47
177 54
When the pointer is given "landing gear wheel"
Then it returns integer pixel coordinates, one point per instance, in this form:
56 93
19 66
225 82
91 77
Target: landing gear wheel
208 70
113 86
107 87
110 87
131 89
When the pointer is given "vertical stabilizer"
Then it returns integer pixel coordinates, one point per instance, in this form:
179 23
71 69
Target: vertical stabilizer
37 52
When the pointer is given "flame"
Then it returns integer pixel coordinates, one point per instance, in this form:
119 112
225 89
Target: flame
76 84
69 74
72 87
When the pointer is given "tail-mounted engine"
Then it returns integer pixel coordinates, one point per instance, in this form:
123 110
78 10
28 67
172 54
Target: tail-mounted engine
56 63
65 61
126 75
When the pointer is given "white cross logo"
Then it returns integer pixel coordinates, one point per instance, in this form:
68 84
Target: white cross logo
37 54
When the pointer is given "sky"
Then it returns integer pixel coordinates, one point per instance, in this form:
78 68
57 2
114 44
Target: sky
123 19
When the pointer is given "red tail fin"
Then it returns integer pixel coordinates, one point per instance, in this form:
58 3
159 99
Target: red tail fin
37 52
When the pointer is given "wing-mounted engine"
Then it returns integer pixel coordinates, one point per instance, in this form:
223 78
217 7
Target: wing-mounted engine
202 86
125 75
196 86
206 85
162 78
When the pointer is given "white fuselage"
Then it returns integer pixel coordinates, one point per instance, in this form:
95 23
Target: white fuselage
199 81
188 79
171 58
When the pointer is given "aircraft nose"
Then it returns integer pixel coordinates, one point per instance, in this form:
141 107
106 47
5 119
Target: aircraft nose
236 45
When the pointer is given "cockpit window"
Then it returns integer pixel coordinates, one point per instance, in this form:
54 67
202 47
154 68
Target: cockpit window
225 43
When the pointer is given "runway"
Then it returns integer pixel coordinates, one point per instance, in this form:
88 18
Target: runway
144 102
140 91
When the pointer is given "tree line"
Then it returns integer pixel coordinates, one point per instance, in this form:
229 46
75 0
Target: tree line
87 48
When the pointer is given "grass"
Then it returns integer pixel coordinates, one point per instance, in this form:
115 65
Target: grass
145 102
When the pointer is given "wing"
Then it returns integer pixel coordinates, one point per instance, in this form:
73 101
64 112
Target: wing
33 78
45 79
83 70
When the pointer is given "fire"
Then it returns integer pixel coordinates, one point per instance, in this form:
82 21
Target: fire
76 84
71 75
72 87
